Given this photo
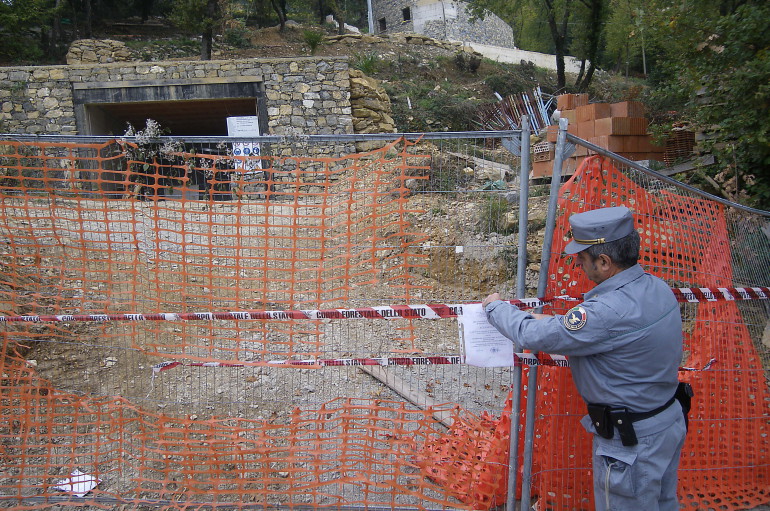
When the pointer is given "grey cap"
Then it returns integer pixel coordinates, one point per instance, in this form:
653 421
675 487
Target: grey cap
599 226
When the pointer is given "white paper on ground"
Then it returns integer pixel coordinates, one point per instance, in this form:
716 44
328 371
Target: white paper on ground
78 483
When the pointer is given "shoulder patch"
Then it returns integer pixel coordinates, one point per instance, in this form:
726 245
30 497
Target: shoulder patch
575 318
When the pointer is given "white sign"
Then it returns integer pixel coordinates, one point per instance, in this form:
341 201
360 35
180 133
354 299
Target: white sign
245 126
484 345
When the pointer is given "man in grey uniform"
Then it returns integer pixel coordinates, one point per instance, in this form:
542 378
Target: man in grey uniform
624 344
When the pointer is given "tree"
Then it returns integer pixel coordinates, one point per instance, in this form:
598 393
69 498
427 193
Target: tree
573 25
25 35
715 59
201 16
591 43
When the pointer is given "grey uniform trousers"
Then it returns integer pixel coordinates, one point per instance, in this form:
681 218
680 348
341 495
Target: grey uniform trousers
641 477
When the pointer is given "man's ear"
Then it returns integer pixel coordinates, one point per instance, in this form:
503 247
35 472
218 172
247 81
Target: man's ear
604 261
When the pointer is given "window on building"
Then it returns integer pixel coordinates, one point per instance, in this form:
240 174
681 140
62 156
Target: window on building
407 12
383 24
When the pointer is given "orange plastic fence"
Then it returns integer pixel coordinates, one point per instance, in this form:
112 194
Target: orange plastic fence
114 228
726 462
87 232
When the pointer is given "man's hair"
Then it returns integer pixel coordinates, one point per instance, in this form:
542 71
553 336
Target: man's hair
623 252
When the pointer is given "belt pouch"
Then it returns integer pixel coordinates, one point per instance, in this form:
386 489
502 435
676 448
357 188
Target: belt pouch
684 394
600 417
621 419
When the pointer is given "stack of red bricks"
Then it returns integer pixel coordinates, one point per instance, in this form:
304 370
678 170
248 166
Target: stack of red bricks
617 127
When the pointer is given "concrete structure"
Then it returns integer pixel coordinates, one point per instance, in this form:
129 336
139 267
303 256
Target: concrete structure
445 20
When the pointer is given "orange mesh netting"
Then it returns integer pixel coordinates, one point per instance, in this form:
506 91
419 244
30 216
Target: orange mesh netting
119 227
684 241
116 227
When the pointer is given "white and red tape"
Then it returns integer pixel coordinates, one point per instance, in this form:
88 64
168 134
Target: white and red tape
427 311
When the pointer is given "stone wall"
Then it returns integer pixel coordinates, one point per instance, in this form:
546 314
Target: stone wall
98 51
303 96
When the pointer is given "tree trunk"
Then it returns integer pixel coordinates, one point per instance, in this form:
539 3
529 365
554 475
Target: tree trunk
321 12
595 33
207 37
89 20
278 8
558 34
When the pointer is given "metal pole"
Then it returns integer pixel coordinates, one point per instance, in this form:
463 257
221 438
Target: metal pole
370 15
550 226
521 290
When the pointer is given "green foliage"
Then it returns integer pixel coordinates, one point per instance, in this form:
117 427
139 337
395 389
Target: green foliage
718 66
21 21
627 37
508 80
493 215
237 36
367 64
192 15
559 27
312 38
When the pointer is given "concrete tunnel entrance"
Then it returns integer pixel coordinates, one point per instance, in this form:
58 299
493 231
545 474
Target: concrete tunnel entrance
181 107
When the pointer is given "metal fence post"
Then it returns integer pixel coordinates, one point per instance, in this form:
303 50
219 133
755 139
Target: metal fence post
521 290
529 431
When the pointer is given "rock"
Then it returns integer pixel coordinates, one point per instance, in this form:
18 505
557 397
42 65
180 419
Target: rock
512 197
370 105
98 51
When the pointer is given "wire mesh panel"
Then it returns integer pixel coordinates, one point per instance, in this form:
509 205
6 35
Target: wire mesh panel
208 328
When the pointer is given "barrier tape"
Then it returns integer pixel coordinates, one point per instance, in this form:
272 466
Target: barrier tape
427 311
520 359
705 294
432 311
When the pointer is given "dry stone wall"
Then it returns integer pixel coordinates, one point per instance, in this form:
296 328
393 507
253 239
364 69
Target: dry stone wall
98 51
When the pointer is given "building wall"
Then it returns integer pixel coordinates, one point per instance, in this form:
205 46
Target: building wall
441 19
303 95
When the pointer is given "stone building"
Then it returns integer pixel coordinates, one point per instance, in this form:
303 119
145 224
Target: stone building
446 20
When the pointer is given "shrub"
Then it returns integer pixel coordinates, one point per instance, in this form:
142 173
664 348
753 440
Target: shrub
237 37
367 64
312 38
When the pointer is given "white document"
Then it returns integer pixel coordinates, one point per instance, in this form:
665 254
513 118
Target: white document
484 345
245 126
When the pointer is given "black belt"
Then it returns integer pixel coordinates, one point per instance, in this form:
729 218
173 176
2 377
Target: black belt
606 419
638 416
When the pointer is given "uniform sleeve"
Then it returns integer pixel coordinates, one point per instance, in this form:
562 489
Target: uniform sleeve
583 330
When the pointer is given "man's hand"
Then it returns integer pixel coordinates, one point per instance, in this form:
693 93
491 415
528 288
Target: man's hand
489 299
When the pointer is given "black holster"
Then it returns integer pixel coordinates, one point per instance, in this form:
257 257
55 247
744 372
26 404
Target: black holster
600 417
684 394
623 422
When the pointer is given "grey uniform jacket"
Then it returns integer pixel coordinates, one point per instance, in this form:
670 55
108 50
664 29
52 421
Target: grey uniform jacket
624 342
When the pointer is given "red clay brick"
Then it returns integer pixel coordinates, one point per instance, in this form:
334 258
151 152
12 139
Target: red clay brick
593 111
627 109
